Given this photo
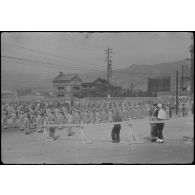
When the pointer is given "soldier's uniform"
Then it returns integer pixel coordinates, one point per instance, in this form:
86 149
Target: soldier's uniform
27 124
85 117
52 121
14 119
77 119
39 123
61 118
91 115
97 116
21 120
4 119
70 121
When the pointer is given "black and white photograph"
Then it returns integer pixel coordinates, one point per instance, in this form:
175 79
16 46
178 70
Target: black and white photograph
91 97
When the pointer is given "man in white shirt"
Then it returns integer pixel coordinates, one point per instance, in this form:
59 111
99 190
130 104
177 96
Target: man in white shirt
160 126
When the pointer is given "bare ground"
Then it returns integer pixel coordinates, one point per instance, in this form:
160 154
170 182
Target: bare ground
18 148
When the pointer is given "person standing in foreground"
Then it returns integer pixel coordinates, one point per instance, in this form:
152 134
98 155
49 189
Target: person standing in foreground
52 121
116 129
153 114
27 123
160 126
70 121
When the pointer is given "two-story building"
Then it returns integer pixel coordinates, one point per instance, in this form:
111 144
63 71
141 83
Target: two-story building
67 85
92 84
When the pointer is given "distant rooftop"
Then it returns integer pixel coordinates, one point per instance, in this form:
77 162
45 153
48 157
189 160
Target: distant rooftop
88 79
93 79
65 77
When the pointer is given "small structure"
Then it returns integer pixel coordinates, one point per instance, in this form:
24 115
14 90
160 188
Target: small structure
99 82
95 88
8 94
66 85
43 92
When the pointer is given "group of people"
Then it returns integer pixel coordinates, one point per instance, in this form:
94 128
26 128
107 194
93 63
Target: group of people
157 116
32 115
36 111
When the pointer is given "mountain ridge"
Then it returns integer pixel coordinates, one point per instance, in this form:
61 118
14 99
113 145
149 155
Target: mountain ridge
135 73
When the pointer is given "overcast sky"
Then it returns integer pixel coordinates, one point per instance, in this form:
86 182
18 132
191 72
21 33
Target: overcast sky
80 52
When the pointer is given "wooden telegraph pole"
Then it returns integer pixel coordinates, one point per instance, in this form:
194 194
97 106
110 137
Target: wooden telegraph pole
176 97
109 67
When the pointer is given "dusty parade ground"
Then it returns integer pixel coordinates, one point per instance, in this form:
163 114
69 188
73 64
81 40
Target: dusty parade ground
18 148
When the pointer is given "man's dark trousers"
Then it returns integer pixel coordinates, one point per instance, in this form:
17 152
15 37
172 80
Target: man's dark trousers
160 130
116 133
153 131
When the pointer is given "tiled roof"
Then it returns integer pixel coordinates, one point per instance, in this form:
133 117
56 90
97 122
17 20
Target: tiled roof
93 79
65 77
88 80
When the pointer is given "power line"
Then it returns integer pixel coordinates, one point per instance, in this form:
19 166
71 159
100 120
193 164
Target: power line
62 64
51 54
55 61
42 62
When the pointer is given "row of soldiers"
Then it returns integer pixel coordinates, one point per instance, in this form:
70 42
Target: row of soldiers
32 115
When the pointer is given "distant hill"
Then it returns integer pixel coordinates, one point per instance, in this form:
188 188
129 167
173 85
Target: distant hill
136 74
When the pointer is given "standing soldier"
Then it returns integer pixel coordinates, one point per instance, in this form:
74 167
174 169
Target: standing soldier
85 117
60 119
21 120
33 118
91 115
97 116
52 121
39 122
56 110
77 118
4 119
183 110
27 123
45 122
70 121
106 114
14 119
65 112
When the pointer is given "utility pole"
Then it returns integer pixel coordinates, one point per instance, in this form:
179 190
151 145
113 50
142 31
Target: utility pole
176 97
109 64
182 78
109 67
110 72
192 69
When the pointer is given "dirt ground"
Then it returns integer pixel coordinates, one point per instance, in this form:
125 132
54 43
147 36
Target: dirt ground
18 148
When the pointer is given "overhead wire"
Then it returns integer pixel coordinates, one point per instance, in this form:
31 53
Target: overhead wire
43 63
56 56
61 63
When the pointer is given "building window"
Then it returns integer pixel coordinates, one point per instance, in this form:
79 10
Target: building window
60 95
76 88
60 88
76 95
